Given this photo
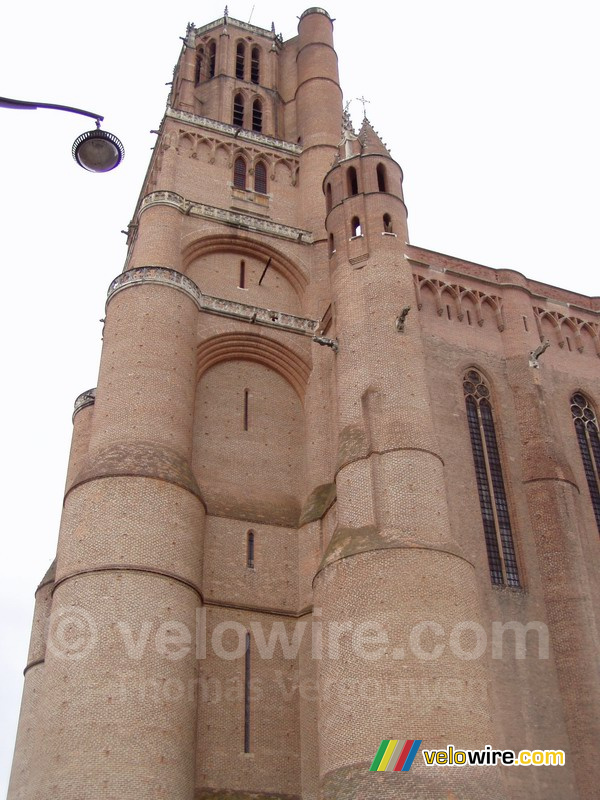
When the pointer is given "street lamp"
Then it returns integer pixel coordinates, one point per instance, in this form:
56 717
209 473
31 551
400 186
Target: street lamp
96 150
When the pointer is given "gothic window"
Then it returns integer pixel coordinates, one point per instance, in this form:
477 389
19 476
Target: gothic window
257 116
352 181
239 173
260 178
328 198
381 181
238 110
490 483
387 223
356 229
212 59
586 427
255 65
198 71
250 550
240 57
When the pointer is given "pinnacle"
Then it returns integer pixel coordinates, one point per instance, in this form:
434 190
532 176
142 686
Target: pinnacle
370 139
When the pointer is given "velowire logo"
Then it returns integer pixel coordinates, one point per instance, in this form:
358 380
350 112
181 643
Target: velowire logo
394 755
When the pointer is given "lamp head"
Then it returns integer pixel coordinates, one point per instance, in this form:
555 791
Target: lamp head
98 151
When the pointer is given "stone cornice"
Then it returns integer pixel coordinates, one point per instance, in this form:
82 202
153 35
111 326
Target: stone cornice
212 305
236 219
234 132
222 22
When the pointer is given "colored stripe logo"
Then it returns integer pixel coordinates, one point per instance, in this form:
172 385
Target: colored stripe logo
395 755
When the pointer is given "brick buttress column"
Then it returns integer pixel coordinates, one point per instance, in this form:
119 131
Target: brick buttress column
120 658
392 579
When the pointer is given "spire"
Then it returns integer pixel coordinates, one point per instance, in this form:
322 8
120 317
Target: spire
370 140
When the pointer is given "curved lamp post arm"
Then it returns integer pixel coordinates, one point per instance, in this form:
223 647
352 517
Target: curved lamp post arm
7 102
96 151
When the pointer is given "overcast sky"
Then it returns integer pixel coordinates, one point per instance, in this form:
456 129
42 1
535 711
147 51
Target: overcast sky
489 107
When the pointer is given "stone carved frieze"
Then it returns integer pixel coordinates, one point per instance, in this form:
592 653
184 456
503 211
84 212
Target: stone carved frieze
454 294
567 329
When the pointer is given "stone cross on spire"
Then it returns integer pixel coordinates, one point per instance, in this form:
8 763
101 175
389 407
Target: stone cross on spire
364 102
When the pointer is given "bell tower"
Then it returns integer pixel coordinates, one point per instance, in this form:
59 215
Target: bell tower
278 546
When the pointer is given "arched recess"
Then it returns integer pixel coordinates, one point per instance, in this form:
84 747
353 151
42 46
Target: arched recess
258 348
212 263
249 428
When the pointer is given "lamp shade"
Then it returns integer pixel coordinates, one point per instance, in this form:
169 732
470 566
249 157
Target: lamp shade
98 151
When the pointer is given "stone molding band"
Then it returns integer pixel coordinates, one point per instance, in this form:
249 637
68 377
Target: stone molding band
448 549
32 664
236 219
234 131
85 399
129 568
369 453
212 305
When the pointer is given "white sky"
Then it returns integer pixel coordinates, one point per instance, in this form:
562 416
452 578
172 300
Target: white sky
489 107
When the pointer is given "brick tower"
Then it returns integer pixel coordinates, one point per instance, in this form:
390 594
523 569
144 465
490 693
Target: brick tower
321 467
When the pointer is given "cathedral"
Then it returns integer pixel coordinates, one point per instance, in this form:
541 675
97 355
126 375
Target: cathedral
332 489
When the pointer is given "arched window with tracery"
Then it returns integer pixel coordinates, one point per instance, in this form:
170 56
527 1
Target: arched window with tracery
212 59
490 482
239 173
260 178
257 116
240 59
586 426
255 65
238 110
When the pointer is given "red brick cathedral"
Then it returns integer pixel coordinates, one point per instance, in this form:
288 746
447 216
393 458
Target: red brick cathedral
332 488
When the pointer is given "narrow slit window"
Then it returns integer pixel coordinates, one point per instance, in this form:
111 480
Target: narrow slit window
448 312
356 229
381 178
525 323
198 70
250 550
568 343
352 181
247 679
331 244
240 58
242 283
257 116
328 198
260 178
255 65
238 110
212 59
387 223
239 173
586 427
246 408
468 316
490 482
